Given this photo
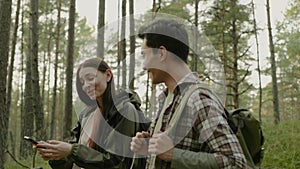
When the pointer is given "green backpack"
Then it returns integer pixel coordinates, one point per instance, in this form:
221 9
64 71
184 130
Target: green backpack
247 129
249 133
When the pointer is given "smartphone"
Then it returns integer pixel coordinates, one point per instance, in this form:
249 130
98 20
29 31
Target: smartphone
30 139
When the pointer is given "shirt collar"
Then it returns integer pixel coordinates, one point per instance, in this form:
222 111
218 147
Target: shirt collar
190 78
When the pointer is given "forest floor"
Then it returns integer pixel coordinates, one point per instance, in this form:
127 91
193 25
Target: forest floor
282 148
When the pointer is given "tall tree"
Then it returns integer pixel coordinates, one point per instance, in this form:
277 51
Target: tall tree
12 57
258 61
34 37
288 52
195 57
132 44
69 72
57 50
5 21
273 68
119 49
123 44
10 75
229 21
27 116
101 21
46 46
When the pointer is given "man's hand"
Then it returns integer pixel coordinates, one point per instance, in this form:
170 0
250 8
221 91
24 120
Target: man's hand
53 150
161 145
139 144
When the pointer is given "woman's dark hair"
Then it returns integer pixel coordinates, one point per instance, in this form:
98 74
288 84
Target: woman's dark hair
109 93
168 33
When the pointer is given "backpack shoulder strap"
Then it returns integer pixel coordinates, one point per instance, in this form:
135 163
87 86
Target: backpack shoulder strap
182 104
174 120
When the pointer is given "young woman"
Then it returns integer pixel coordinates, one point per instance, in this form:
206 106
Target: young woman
105 127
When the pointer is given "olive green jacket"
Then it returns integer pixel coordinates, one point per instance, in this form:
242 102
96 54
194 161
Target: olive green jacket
124 122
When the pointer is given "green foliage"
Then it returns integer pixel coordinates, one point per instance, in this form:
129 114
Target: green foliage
288 53
282 144
39 162
228 26
177 8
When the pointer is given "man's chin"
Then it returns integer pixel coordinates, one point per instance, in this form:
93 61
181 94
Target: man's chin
155 81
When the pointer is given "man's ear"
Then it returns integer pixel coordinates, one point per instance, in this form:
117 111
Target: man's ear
163 53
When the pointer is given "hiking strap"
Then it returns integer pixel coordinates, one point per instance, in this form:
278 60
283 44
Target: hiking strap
175 118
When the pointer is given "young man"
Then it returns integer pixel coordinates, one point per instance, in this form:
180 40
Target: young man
200 136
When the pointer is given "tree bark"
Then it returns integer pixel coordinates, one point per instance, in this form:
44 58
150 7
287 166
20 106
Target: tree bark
195 57
54 97
101 22
69 73
258 62
132 45
123 44
5 21
119 49
235 62
37 103
273 68
12 58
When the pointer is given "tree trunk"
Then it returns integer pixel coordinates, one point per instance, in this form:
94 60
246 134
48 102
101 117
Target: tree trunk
235 82
45 64
10 77
27 115
153 8
195 57
119 49
12 58
37 103
101 21
224 50
54 97
5 21
258 62
273 68
132 45
23 76
69 72
235 68
123 44
46 38
48 84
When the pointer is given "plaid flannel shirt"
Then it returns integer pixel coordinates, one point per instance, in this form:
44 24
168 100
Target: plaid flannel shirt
203 138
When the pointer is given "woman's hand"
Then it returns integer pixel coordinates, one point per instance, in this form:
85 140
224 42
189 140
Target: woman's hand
53 149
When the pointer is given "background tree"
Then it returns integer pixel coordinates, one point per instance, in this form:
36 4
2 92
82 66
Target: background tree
132 44
37 102
273 68
12 56
57 51
101 21
288 51
69 72
258 60
230 21
123 44
5 21
32 105
23 120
